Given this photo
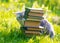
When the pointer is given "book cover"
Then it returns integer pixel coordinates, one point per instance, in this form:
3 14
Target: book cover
34 29
35 17
35 14
39 10
32 23
32 32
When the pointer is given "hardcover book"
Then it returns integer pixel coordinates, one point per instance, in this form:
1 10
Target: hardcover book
35 14
33 23
34 29
35 17
36 10
32 32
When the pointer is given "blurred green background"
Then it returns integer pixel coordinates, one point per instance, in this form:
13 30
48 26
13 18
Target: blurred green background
10 28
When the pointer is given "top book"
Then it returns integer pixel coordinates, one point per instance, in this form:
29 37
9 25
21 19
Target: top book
36 10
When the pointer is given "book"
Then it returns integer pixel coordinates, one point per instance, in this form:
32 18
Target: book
39 27
33 23
26 13
32 19
36 10
35 14
35 17
34 29
32 32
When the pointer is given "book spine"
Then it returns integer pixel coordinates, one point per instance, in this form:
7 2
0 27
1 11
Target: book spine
37 11
33 20
26 13
34 14
36 17
33 29
32 32
32 23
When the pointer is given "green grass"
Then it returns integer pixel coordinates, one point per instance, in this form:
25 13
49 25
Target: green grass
10 31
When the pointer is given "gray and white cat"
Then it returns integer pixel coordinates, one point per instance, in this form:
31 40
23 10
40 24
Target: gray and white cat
49 28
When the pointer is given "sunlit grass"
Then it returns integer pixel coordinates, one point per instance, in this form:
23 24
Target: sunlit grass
10 28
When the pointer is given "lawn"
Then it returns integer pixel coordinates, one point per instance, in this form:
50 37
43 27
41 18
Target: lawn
10 31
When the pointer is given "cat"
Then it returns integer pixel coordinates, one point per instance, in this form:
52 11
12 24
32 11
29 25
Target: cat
48 26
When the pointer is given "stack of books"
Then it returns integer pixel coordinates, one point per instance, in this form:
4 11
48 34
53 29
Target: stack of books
33 17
